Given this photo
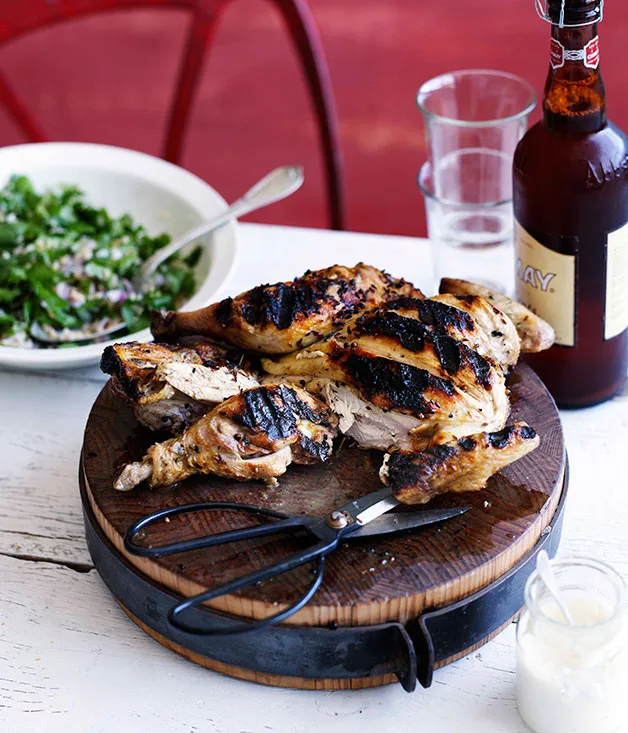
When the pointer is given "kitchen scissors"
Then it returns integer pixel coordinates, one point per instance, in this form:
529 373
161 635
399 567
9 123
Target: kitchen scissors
357 519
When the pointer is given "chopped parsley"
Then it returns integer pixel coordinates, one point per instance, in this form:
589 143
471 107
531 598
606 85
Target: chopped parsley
68 266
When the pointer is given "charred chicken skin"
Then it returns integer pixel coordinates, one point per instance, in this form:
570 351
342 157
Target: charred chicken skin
254 435
344 348
462 465
395 361
279 318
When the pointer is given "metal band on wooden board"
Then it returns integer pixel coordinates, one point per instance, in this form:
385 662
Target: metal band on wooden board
318 653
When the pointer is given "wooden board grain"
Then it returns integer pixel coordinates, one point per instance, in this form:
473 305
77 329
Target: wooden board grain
366 582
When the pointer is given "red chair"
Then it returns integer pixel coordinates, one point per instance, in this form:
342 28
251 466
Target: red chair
18 17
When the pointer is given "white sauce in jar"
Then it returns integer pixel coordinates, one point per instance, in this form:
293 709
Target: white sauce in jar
573 679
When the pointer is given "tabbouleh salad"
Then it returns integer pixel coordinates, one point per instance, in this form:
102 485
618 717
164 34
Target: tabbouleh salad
68 266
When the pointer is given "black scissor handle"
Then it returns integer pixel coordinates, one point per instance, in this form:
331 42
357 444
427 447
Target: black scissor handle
285 524
315 552
243 627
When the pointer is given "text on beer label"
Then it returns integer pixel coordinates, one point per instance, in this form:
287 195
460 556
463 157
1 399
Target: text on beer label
546 284
533 276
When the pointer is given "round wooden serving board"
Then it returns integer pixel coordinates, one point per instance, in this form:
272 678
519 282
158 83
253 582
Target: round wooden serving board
366 582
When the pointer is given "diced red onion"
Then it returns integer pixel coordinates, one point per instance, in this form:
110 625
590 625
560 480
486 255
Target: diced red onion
116 296
63 290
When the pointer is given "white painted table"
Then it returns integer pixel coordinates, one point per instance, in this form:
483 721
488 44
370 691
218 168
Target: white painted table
72 662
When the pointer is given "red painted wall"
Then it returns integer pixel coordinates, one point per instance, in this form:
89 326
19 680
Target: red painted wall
109 78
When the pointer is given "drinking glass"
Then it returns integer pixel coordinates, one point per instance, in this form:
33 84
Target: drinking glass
473 122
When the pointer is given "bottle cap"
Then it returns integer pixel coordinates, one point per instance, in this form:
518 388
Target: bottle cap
570 13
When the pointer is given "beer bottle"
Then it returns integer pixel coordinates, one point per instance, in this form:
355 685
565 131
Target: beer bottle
570 194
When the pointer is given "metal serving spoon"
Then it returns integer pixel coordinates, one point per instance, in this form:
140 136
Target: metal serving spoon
275 186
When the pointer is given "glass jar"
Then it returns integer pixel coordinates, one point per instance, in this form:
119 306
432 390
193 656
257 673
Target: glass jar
574 678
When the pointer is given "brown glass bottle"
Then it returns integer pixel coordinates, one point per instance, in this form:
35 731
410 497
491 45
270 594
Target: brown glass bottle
570 190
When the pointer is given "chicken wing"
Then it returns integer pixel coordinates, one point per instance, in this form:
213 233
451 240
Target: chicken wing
463 465
169 386
254 435
280 318
535 333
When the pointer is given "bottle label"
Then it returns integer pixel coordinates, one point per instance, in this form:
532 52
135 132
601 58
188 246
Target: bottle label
589 55
592 53
616 309
557 54
546 284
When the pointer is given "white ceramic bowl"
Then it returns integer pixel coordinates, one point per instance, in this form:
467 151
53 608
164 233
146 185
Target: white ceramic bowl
157 194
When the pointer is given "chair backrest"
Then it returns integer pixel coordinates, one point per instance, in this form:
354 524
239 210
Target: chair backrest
19 17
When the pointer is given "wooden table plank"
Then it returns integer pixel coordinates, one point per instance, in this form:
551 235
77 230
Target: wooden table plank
40 439
70 660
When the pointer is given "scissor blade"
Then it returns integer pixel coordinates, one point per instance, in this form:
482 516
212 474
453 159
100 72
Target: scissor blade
367 508
406 520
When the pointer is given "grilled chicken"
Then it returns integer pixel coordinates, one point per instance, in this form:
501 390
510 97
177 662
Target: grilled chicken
492 334
352 349
280 318
168 386
135 365
463 465
535 333
397 381
371 427
382 389
254 435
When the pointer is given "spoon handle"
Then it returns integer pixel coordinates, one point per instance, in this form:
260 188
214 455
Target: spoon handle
273 187
544 569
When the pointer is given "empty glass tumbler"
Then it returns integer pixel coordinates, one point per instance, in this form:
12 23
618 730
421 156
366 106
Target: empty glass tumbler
473 122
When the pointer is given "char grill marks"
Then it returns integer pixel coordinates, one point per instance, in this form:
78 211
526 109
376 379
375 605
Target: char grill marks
439 406
469 319
416 336
284 304
393 385
275 413
394 360
461 465
434 313
253 435
280 318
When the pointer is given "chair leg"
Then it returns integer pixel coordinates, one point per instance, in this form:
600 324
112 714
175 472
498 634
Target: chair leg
199 39
303 31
